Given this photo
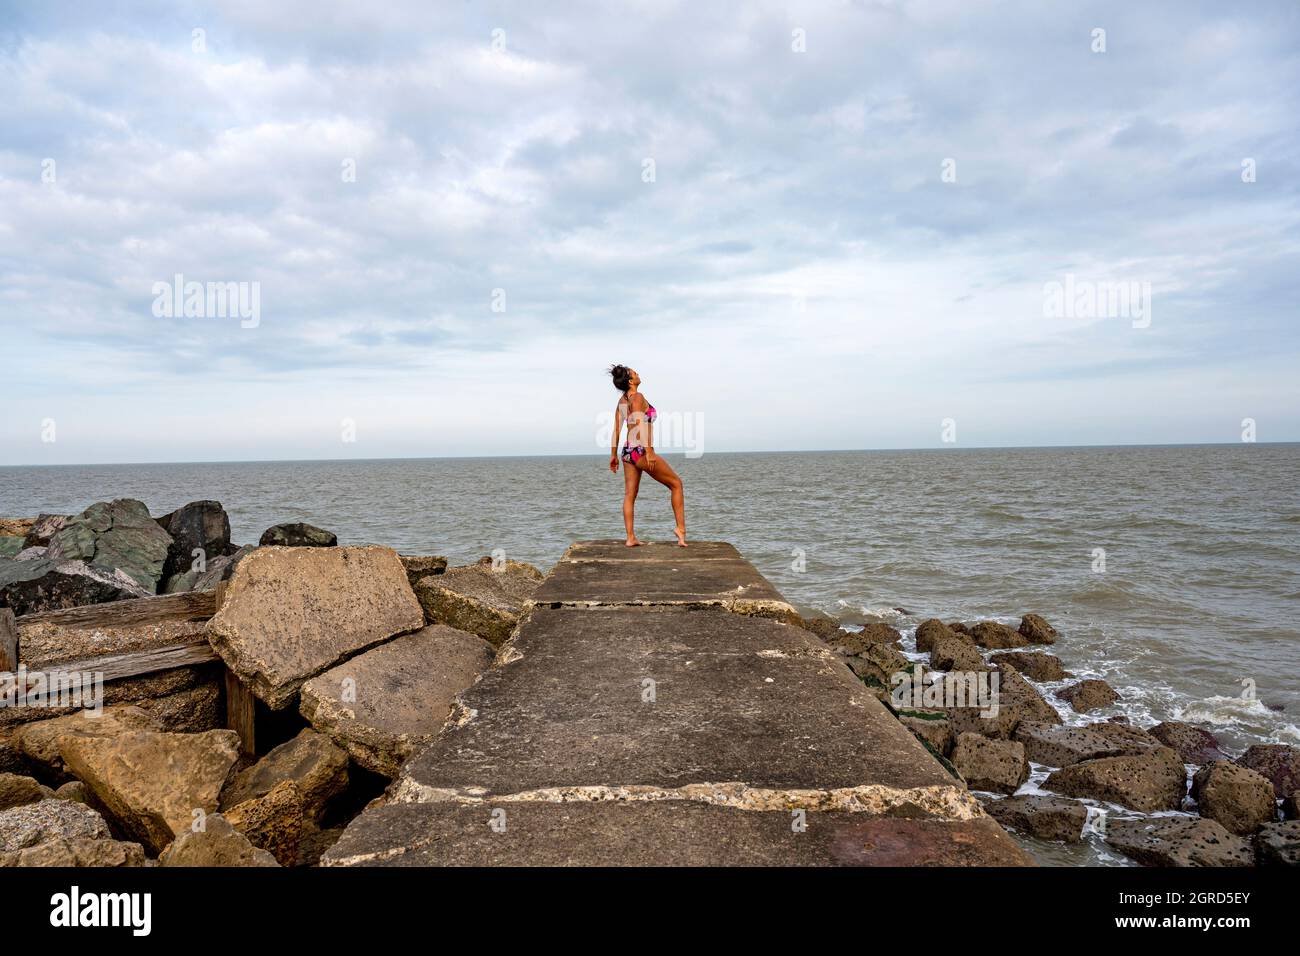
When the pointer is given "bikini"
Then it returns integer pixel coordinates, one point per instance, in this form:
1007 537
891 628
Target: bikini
634 453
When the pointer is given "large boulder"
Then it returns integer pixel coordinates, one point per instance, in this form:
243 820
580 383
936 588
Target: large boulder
929 631
1178 841
876 666
484 598
219 569
1017 701
1036 630
1280 763
41 741
1044 817
10 546
1035 666
298 535
931 727
77 851
997 766
1194 745
1236 797
31 824
951 653
50 584
1088 695
16 790
855 642
216 844
1060 746
151 784
275 821
995 636
1278 844
422 565
823 625
1148 782
384 704
15 527
292 613
317 768
43 529
200 526
115 535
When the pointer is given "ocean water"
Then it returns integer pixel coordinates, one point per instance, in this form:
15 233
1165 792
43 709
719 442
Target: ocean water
1172 572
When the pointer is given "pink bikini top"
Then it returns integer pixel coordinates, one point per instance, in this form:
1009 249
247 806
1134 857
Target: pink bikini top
649 412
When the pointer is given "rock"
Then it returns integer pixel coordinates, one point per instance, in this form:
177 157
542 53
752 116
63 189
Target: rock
1059 746
1036 630
1178 841
951 653
932 727
422 565
31 554
217 844
384 704
34 823
315 843
479 598
876 665
957 627
1035 666
75 791
217 570
151 783
43 529
1147 782
291 613
1234 796
16 790
201 526
40 741
1280 763
995 636
188 711
117 535
1194 745
10 545
273 822
48 584
15 527
855 642
927 632
77 851
1291 806
823 625
1017 701
298 535
998 766
317 768
1088 695
1278 844
1047 818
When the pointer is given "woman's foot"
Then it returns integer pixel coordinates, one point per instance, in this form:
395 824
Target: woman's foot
633 542
681 536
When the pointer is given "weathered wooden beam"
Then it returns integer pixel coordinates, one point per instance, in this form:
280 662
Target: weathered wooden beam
188 605
137 663
8 640
241 712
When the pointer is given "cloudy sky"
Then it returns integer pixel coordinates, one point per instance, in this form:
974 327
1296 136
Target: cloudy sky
807 225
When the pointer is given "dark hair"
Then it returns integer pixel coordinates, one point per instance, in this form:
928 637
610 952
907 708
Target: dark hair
622 377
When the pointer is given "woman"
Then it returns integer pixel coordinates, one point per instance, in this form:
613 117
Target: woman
639 452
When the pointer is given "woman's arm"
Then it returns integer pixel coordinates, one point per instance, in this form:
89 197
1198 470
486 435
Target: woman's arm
618 430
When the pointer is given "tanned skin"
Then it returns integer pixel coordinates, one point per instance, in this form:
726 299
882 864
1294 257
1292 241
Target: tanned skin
651 464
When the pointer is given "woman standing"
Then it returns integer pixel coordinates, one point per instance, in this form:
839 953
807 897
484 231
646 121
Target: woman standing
639 453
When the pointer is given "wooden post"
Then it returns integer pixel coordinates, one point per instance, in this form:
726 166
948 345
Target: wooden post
8 640
241 706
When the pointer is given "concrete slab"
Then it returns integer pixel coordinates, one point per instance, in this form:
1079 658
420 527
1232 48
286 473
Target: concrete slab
708 573
729 699
659 834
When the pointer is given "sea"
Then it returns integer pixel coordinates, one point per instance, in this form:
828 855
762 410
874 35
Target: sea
1172 572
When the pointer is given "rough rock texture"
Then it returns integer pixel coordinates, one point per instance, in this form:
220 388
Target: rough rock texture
1240 799
479 598
422 565
1035 666
200 526
16 790
317 768
929 631
77 851
1017 701
291 613
217 844
151 783
876 665
190 710
298 535
48 584
1088 695
951 653
823 625
274 822
1291 806
10 545
383 705
1278 844
1149 782
1037 630
995 636
1194 745
15 527
1048 818
932 727
1178 841
74 790
855 642
1058 746
115 535
43 528
34 823
1280 763
218 569
40 741
998 766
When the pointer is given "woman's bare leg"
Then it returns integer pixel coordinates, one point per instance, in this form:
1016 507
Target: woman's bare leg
663 473
631 483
